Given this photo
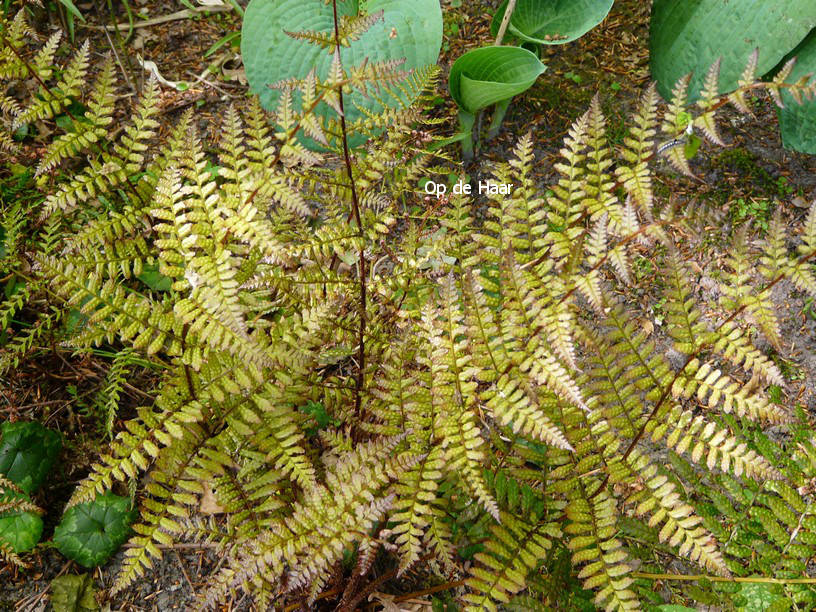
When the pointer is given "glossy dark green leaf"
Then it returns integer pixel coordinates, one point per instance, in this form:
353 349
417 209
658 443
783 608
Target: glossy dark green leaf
91 532
20 530
27 452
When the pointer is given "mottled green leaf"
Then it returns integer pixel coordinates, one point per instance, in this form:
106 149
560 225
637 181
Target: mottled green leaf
73 594
20 530
91 532
27 452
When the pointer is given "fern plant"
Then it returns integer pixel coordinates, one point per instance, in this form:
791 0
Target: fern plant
488 389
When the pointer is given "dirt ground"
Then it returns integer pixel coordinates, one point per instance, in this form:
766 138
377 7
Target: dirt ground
611 60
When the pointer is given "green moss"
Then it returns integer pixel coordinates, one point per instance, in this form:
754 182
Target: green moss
567 99
751 177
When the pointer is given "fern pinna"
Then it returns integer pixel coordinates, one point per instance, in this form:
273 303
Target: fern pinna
487 390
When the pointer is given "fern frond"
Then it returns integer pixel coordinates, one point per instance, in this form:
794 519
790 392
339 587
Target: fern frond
516 548
513 402
600 198
676 121
717 445
454 396
737 97
635 176
591 538
54 100
681 526
96 121
312 538
709 96
711 387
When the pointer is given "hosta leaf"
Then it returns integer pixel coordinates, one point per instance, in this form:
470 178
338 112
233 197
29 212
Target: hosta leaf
20 530
409 30
27 452
798 121
552 22
482 77
91 532
690 36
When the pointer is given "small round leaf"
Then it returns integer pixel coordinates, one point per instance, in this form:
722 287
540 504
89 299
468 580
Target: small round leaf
91 532
18 529
27 452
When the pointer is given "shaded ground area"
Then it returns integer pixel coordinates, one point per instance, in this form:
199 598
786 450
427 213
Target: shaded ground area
748 180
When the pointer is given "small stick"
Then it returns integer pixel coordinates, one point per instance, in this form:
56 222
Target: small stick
183 14
508 13
184 571
116 54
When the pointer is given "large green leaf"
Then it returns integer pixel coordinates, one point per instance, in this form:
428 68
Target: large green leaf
689 36
798 121
20 530
552 22
409 30
482 77
91 532
27 452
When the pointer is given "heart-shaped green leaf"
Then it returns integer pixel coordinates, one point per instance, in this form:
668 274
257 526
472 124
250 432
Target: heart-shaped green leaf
798 121
73 594
91 532
27 452
689 36
552 22
21 530
408 30
482 77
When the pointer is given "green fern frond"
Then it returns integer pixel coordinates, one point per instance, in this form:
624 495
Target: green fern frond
57 97
516 549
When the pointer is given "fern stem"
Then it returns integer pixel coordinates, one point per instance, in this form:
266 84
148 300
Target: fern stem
119 37
749 579
356 211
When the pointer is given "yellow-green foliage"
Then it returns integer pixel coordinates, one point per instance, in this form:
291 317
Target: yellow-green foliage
482 382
